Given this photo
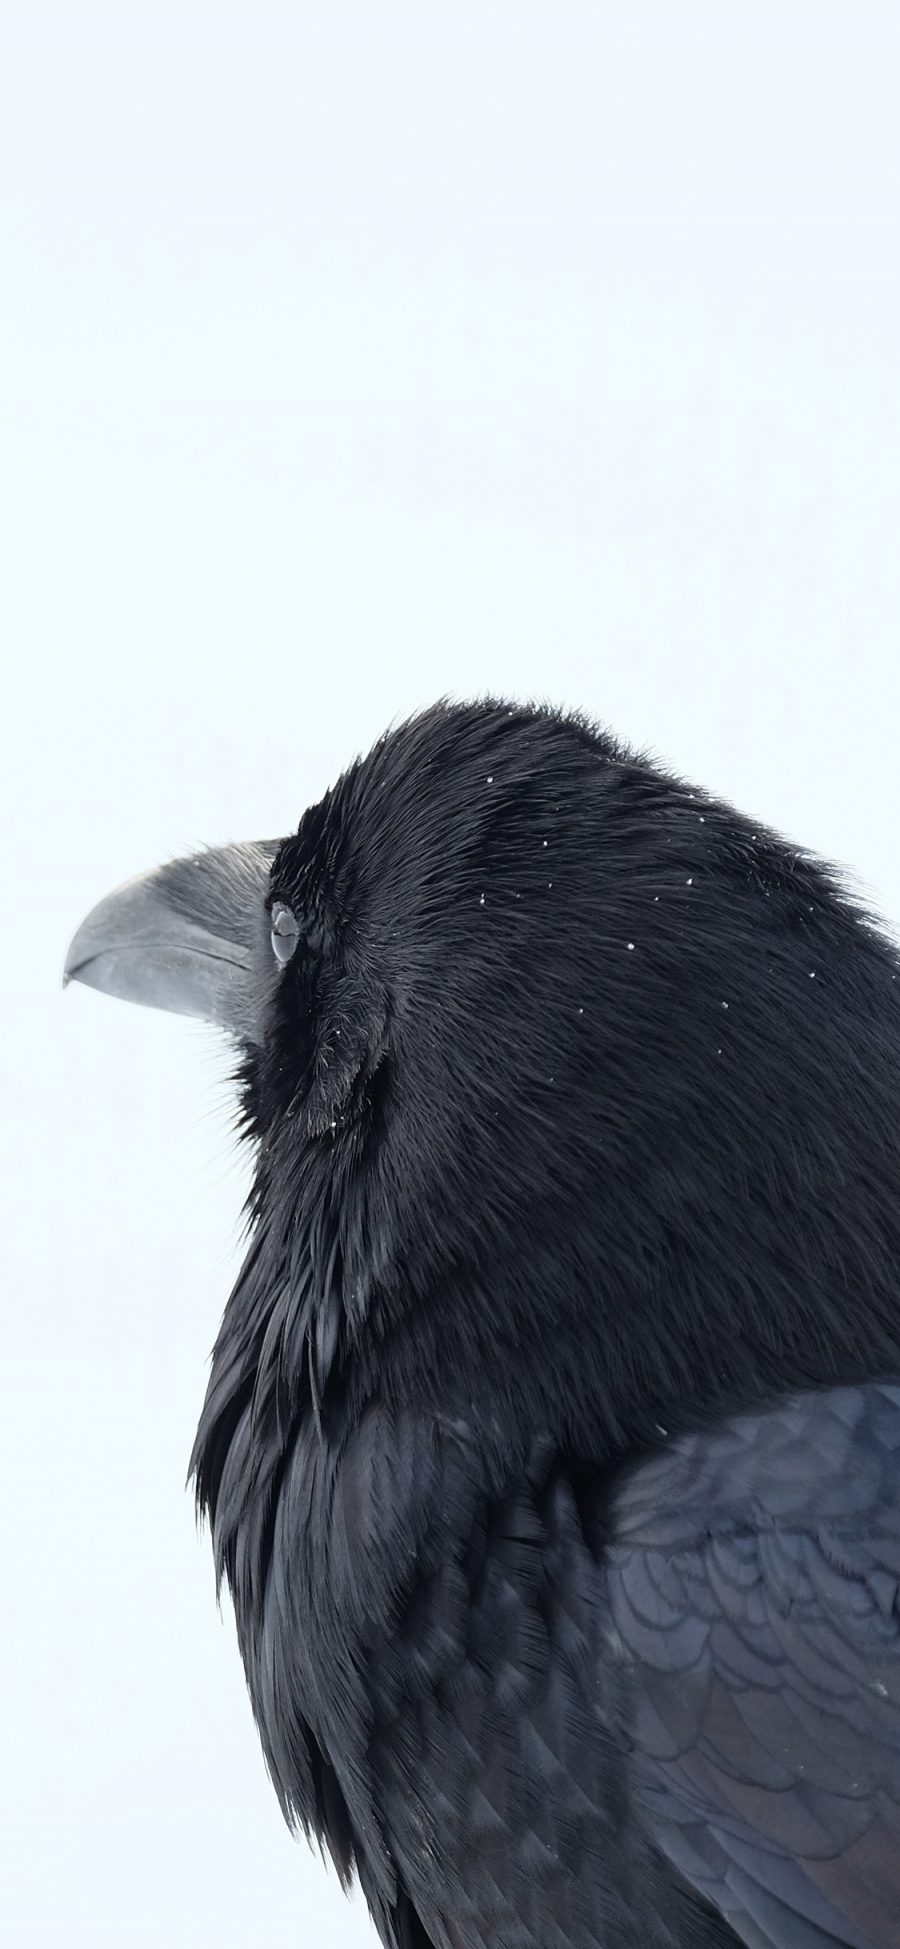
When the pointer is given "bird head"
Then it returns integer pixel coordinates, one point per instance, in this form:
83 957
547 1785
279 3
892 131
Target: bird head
555 1067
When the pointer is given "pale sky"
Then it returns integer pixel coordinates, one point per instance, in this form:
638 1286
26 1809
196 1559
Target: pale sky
352 355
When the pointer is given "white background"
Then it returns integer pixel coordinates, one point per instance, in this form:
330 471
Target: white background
352 355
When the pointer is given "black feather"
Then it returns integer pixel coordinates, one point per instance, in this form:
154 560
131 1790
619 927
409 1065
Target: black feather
550 1450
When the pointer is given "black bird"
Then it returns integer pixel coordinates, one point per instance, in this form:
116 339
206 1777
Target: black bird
551 1449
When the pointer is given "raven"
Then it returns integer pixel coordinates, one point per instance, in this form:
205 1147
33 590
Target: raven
551 1448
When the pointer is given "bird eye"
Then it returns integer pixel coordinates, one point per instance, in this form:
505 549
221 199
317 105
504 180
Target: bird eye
285 932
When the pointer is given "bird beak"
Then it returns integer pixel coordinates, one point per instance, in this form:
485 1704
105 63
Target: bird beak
192 937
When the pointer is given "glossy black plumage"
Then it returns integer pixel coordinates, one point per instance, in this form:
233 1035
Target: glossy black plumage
550 1450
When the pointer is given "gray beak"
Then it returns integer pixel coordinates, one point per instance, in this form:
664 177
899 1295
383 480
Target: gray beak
192 937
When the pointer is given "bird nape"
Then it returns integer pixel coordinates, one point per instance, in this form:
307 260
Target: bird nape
551 1448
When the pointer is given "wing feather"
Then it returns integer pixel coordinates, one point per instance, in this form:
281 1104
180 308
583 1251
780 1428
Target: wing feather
753 1589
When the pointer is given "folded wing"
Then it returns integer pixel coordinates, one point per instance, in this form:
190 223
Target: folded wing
753 1588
